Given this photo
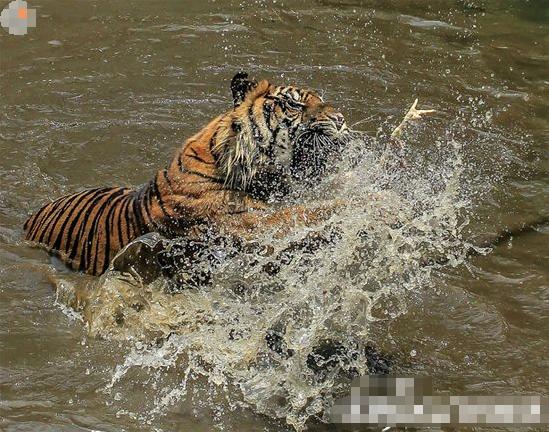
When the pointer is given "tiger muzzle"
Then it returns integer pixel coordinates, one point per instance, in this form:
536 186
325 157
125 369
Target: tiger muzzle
329 122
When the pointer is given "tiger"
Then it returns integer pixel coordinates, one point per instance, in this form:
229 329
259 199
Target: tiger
227 175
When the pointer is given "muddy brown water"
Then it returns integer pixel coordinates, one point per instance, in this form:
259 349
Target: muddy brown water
101 93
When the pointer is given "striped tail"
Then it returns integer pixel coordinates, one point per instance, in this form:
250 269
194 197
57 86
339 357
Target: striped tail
87 229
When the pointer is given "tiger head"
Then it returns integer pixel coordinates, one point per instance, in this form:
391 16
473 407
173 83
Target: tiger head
276 134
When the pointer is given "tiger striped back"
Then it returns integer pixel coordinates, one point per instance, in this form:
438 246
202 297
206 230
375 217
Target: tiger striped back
87 229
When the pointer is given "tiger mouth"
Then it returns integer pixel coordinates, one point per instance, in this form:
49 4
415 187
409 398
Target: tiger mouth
313 153
316 151
328 129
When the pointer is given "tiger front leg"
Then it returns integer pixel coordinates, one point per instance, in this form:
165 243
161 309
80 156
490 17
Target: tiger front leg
254 223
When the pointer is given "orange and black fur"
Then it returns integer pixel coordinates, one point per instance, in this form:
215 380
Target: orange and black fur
223 176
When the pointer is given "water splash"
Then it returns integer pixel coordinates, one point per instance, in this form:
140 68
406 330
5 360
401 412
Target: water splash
287 342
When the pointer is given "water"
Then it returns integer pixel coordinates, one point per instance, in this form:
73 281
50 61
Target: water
102 94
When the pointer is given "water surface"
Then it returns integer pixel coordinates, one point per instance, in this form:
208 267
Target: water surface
101 93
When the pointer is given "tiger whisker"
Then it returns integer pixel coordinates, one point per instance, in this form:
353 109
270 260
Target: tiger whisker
362 121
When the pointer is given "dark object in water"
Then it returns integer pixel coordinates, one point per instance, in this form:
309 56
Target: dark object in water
187 263
140 258
329 354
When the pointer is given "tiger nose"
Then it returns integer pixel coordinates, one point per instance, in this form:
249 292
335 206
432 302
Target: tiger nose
338 120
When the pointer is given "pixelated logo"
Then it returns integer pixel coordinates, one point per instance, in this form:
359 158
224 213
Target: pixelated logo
17 18
404 401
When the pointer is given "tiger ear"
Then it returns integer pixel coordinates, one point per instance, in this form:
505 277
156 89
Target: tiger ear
240 86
